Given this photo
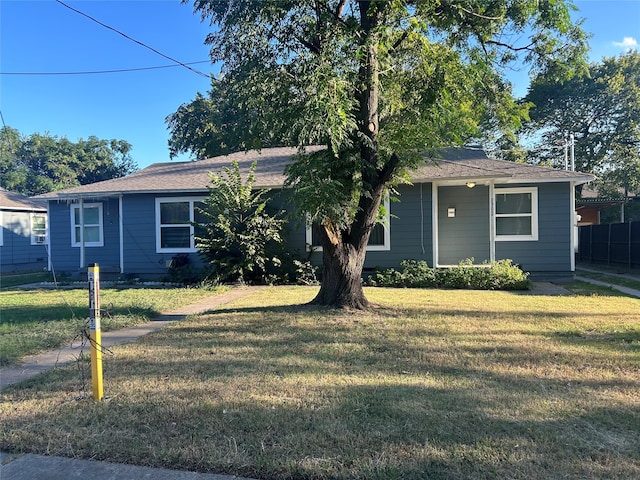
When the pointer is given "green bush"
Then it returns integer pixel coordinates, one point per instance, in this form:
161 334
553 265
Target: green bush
238 236
500 275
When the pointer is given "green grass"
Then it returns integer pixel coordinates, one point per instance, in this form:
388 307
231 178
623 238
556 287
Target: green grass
428 384
12 280
32 321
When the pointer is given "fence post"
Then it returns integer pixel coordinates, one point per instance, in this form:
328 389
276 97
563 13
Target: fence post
609 246
629 248
95 332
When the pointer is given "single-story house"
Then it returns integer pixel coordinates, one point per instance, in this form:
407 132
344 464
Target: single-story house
23 233
460 205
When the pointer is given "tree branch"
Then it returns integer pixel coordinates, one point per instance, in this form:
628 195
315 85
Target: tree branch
402 38
479 15
507 46
340 9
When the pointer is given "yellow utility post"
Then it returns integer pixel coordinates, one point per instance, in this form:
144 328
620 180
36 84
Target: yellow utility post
95 333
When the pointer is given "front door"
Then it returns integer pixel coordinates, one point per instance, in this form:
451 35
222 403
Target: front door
463 224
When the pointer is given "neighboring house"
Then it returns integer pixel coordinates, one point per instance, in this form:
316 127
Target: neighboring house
591 206
23 236
463 205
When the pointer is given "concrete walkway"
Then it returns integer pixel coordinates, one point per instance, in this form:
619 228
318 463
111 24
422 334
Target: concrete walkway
40 467
626 290
620 288
35 364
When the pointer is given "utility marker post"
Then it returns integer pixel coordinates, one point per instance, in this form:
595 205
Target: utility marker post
95 333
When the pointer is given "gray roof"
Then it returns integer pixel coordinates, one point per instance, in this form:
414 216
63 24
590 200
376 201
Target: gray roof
16 201
472 163
459 164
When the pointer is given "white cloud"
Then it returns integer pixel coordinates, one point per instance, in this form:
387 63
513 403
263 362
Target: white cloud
627 42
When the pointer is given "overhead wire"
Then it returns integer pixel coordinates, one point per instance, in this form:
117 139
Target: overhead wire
197 72
95 72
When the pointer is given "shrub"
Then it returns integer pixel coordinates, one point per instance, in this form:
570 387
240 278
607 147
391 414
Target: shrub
500 275
240 239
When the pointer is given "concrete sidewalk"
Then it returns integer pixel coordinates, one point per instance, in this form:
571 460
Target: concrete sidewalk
35 364
40 467
626 290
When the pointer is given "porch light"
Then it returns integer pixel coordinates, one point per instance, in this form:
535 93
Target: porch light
471 184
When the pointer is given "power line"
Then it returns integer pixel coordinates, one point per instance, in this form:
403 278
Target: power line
198 72
94 72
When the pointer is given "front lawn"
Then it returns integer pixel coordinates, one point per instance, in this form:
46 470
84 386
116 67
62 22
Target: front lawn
429 384
35 320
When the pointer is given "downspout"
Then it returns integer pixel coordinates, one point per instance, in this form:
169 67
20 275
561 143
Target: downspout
121 227
573 225
434 222
48 243
492 222
81 233
421 222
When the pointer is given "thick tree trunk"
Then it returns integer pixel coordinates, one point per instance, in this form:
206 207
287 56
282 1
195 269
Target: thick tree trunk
342 278
344 251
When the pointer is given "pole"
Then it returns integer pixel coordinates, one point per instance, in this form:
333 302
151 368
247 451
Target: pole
573 156
95 333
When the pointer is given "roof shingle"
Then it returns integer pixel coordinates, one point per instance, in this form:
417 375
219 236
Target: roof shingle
181 177
17 201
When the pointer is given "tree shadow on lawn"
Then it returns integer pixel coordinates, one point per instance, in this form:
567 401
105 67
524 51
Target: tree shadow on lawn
384 431
267 393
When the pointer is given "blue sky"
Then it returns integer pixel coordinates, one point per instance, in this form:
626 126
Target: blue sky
43 36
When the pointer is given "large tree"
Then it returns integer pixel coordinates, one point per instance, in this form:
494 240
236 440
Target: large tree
378 82
602 110
41 163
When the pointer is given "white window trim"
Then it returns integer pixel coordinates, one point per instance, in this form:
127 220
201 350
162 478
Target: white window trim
76 206
39 239
386 246
191 200
534 215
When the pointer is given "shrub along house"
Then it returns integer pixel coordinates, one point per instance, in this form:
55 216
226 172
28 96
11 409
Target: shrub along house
23 233
460 205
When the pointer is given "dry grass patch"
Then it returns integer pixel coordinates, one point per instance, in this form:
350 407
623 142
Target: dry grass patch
429 384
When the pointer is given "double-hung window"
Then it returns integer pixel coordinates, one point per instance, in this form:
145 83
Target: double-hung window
38 228
91 219
174 224
516 214
379 240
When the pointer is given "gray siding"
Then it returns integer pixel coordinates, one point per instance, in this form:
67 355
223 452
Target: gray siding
410 226
16 253
466 235
411 229
552 251
140 257
65 258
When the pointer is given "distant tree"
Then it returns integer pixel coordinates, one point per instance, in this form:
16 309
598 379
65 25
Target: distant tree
602 110
236 234
38 163
378 83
